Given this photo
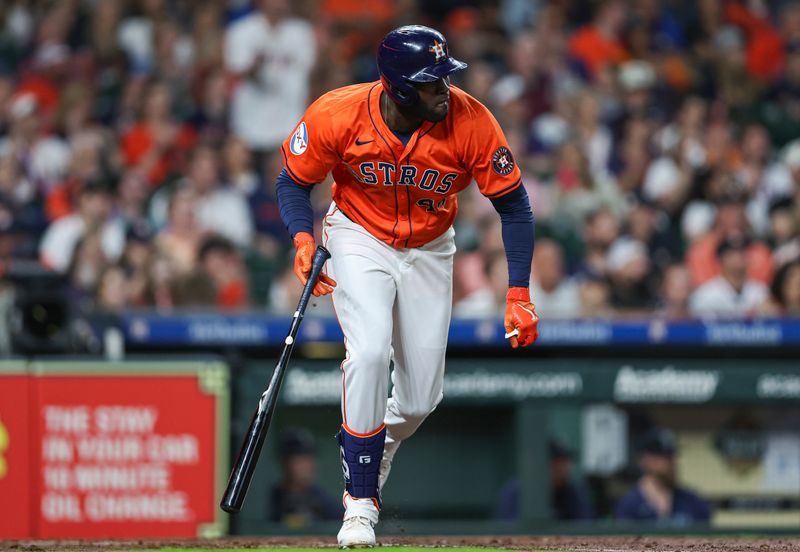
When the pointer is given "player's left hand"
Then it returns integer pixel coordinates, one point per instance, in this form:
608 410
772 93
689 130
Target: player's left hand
521 322
303 259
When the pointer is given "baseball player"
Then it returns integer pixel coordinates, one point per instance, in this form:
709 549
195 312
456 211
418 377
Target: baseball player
400 149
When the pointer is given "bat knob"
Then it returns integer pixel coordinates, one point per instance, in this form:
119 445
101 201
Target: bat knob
230 509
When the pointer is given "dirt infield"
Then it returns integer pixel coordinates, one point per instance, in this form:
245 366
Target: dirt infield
587 543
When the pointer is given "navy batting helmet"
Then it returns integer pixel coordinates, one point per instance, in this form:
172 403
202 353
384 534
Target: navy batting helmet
410 54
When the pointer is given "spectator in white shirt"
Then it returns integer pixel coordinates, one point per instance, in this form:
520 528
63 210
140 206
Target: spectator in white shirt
136 34
93 214
272 54
556 296
731 294
219 209
44 157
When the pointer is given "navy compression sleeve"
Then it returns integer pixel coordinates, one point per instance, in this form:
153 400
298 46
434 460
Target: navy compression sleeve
294 202
517 219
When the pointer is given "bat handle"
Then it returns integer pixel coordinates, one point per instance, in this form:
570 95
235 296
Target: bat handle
320 256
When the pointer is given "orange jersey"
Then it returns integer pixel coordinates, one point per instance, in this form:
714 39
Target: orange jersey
404 195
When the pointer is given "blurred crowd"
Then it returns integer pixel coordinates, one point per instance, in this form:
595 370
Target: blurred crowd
659 142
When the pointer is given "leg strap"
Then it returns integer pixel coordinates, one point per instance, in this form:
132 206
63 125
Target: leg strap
361 462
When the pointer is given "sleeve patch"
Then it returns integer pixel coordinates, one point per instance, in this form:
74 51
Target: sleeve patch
299 143
502 161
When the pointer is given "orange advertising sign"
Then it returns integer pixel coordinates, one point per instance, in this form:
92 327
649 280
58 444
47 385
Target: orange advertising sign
131 451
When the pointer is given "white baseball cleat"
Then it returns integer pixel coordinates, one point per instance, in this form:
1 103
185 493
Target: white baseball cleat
360 516
356 532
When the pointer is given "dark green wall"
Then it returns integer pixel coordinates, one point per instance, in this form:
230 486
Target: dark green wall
492 425
451 468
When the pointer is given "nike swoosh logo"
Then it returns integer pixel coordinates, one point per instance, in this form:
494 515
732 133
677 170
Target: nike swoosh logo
361 143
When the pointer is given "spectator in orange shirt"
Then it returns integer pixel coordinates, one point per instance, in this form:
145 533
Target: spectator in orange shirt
363 12
49 65
157 144
731 222
85 164
224 265
598 45
765 53
731 294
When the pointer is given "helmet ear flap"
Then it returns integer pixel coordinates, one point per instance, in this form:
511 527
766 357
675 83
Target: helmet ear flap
397 94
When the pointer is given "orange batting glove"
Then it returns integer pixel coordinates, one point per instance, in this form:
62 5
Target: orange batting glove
306 246
520 321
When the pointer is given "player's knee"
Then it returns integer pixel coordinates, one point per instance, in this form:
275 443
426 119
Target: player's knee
416 412
420 410
375 358
372 355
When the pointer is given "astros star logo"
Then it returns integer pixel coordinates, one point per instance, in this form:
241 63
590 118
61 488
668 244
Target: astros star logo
438 49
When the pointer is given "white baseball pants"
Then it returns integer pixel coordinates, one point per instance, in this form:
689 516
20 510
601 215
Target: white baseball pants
392 304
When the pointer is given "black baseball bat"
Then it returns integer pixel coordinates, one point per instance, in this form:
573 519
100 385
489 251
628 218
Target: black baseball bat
251 447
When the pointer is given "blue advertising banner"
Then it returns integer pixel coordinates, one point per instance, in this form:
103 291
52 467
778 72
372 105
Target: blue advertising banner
263 330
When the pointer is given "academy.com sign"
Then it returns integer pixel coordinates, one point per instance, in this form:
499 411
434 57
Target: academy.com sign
324 387
665 385
485 384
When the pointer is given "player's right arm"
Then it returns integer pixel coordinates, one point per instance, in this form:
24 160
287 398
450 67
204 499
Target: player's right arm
309 153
